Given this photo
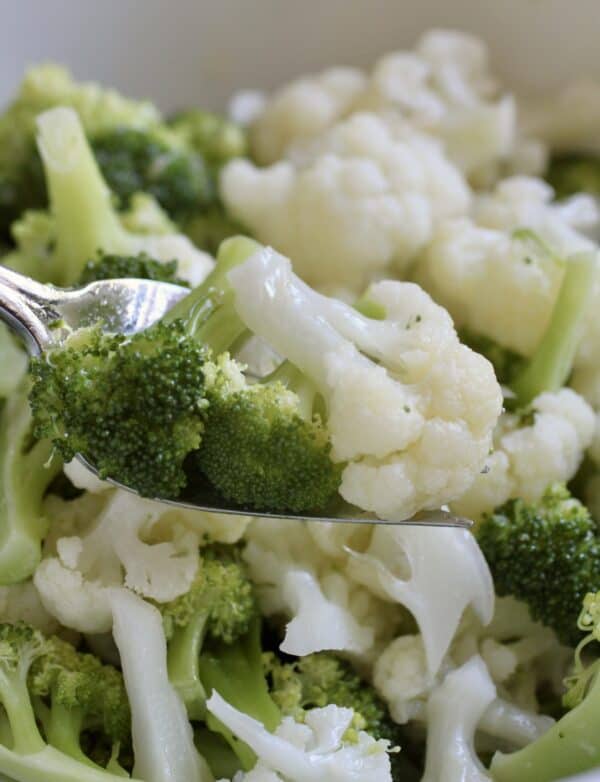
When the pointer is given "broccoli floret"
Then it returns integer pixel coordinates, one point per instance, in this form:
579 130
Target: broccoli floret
47 86
216 138
30 757
133 160
572 744
219 605
27 468
139 267
133 405
74 692
552 362
546 554
573 173
264 445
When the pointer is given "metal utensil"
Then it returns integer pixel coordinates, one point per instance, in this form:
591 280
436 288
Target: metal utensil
43 315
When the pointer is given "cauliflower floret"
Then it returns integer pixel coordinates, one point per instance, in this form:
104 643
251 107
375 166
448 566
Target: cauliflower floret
435 573
303 109
360 199
313 751
85 479
469 258
528 457
453 712
327 610
116 549
415 428
22 603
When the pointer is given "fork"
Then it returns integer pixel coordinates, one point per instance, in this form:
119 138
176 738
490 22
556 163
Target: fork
43 315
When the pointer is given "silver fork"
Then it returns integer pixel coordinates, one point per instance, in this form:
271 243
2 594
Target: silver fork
43 315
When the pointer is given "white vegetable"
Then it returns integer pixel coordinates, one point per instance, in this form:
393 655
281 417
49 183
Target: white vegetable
21 603
509 723
163 742
453 712
117 549
527 458
312 752
436 573
416 427
360 199
13 357
82 478
326 609
470 258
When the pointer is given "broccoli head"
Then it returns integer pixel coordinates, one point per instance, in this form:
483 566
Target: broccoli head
220 605
133 405
133 160
571 745
139 267
216 138
575 172
546 554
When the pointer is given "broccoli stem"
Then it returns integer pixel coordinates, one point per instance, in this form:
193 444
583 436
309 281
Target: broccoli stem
235 671
208 312
21 717
63 730
26 470
552 362
570 746
183 652
79 198
49 765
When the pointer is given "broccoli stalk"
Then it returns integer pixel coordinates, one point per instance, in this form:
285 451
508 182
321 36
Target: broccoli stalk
27 467
572 744
219 605
235 671
30 758
552 361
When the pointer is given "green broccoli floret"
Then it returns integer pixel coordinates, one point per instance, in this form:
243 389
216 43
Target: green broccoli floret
216 138
552 362
572 744
27 468
575 172
74 693
264 445
30 757
219 605
133 160
139 267
546 554
133 405
44 87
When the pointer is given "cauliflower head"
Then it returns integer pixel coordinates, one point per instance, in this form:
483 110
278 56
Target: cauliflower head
410 410
359 200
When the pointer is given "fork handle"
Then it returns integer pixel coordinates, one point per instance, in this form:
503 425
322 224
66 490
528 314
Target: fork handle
26 306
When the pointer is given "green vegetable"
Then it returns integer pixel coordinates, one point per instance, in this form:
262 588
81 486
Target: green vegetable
552 361
140 267
220 605
133 160
217 139
572 744
575 172
132 405
47 676
27 468
13 362
546 554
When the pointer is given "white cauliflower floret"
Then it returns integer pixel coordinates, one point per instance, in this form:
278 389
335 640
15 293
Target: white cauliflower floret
360 199
529 456
303 109
314 751
415 428
21 603
85 479
470 258
453 712
116 548
435 573
326 610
